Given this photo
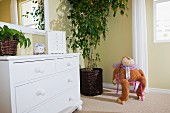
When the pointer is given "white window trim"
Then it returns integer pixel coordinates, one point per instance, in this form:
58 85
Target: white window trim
14 20
26 30
154 21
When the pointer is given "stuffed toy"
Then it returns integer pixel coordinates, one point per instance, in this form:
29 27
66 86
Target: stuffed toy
38 49
126 72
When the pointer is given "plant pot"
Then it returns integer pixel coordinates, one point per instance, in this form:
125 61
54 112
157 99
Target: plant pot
8 47
91 82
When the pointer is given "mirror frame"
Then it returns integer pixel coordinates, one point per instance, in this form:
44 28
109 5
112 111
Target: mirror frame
14 19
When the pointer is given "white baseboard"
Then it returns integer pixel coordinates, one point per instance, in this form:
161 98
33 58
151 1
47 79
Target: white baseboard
158 90
112 86
107 85
151 90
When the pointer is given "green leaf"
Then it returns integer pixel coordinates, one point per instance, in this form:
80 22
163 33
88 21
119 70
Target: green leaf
122 12
89 25
21 43
37 14
29 42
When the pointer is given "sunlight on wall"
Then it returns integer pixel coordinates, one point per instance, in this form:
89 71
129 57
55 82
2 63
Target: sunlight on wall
26 51
41 40
117 44
34 39
58 12
5 11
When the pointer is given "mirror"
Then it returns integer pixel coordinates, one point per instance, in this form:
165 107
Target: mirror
27 13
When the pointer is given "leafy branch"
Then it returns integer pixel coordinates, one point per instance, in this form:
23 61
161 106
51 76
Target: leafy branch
37 14
89 24
13 34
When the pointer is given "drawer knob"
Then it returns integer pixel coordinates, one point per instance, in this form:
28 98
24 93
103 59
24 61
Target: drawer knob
71 99
40 92
70 80
68 64
39 70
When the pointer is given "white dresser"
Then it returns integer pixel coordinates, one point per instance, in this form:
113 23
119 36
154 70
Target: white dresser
40 84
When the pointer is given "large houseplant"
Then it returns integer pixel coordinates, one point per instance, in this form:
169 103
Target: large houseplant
89 25
10 38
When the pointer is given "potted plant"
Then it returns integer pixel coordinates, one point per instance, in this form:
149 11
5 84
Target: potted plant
10 38
89 25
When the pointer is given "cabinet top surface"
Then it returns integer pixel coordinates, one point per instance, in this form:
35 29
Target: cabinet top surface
22 57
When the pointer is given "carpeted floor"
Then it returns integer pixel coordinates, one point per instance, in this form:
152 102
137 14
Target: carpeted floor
106 103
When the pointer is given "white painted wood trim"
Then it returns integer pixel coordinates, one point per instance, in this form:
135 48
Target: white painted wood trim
46 15
112 86
14 14
22 57
160 41
151 90
24 29
107 85
158 90
155 39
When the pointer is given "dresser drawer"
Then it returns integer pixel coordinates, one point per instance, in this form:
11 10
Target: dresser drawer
66 63
56 105
32 94
28 70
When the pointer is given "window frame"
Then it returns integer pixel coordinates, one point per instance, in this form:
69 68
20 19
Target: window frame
156 40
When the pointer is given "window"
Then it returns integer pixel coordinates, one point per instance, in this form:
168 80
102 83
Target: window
27 6
161 21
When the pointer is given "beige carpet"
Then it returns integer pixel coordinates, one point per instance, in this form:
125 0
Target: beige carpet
106 103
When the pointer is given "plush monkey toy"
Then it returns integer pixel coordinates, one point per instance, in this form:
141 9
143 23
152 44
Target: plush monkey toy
126 72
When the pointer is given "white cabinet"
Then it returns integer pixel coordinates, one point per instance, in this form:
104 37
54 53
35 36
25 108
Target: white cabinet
39 84
56 42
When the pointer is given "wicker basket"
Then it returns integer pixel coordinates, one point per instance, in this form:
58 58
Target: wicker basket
8 47
91 82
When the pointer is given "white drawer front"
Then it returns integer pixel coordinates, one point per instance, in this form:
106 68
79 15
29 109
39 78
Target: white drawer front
32 94
63 101
25 71
66 63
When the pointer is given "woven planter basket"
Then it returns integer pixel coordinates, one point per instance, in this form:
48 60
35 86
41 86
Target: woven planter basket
8 47
91 82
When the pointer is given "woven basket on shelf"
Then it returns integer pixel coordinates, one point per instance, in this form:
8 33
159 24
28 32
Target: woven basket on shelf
8 47
91 82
